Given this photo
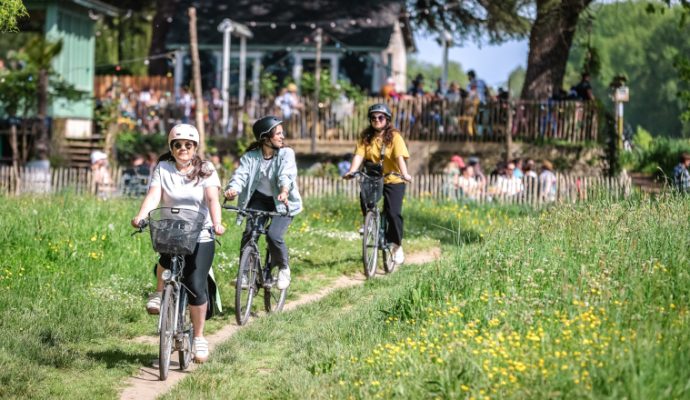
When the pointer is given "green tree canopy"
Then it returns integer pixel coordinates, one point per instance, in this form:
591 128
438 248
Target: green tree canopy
642 46
10 12
432 72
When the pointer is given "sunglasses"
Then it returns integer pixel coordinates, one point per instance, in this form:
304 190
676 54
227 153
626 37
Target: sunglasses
379 118
187 145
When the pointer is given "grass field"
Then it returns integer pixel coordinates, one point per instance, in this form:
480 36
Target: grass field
587 302
572 302
73 284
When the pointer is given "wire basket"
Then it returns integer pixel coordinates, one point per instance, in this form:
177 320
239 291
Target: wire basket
372 190
175 230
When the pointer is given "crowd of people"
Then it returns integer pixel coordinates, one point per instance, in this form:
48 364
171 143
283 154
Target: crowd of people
467 181
151 110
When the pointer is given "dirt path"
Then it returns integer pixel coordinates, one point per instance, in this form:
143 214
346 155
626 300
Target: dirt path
146 384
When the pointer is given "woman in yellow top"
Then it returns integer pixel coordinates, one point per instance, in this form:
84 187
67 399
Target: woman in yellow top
381 135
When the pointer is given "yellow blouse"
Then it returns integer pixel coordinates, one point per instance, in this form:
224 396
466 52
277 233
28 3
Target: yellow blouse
372 152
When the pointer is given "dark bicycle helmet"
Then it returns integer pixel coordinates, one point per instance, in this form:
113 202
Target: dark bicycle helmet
264 125
380 108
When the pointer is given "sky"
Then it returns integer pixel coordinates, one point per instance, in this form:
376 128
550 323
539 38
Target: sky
493 63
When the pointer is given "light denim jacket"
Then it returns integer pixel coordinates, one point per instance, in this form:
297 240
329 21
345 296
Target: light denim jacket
282 172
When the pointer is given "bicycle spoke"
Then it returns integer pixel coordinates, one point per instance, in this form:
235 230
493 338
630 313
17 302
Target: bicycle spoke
274 298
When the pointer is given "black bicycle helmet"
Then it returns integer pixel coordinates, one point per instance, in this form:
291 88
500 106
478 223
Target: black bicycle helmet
264 125
380 108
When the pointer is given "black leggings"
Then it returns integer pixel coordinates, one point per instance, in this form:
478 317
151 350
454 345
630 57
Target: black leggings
195 271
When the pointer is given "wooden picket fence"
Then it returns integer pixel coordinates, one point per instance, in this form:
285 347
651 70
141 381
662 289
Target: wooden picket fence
569 188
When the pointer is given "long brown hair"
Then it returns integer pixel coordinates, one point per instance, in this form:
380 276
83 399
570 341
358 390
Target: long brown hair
198 170
368 134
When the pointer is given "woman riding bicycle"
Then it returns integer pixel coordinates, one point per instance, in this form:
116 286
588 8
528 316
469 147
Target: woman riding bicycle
267 180
182 180
382 150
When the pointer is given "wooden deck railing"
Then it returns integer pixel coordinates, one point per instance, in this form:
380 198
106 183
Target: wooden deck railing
569 188
446 121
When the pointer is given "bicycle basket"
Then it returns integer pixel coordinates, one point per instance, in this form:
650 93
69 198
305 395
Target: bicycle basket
372 190
175 230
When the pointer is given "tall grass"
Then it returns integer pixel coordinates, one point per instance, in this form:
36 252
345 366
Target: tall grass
73 284
576 302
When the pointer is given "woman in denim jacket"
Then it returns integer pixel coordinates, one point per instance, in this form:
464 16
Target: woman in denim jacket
267 180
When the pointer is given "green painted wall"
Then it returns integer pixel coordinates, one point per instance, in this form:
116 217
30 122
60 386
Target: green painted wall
76 62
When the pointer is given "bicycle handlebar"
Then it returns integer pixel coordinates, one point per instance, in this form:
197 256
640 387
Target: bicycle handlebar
252 213
364 174
143 223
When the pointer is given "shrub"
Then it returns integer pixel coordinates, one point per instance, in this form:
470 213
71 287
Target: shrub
130 143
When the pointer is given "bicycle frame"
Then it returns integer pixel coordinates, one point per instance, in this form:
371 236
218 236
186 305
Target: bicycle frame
370 250
257 222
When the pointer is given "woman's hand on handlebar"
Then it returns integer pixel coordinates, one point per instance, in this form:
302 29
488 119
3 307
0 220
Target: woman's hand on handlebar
219 229
349 175
283 197
138 222
230 194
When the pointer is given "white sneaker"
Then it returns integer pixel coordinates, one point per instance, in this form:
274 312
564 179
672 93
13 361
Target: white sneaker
398 255
200 350
361 230
283 278
153 306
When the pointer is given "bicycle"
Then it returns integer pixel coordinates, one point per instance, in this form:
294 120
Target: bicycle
251 275
374 230
174 231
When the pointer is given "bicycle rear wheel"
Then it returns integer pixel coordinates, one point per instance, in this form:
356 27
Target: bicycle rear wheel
387 256
370 243
167 328
274 298
244 294
184 332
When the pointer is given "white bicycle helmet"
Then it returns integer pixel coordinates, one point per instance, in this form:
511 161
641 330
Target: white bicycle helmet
183 132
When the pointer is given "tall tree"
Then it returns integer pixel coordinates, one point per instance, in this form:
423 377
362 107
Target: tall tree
550 31
549 45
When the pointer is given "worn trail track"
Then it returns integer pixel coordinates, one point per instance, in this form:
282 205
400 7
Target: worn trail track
145 385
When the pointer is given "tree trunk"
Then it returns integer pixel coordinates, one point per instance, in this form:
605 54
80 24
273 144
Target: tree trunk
14 143
43 138
164 9
549 46
196 73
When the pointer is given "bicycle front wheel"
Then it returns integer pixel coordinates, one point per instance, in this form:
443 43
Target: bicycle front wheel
370 243
245 285
184 332
167 328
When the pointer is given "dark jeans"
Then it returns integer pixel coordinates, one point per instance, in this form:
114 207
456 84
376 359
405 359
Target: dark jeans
275 237
393 194
195 271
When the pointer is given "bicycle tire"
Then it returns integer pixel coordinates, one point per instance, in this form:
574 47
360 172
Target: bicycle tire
167 316
274 298
184 329
387 256
249 264
370 243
